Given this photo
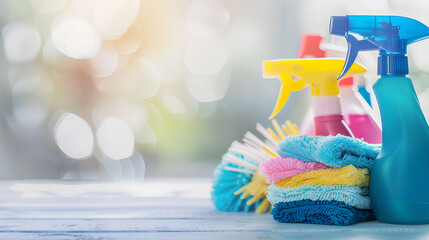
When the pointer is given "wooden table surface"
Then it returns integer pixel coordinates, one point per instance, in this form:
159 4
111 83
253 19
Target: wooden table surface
153 209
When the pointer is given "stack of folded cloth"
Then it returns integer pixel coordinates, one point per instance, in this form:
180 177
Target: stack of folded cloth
320 180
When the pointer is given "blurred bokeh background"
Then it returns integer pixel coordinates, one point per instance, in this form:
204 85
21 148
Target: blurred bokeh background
128 89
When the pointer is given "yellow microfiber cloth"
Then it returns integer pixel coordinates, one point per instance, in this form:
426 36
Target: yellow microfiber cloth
347 176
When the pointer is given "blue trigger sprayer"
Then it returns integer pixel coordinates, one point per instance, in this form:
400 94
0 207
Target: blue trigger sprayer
399 181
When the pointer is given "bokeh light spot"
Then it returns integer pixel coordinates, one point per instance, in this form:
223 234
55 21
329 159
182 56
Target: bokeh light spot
142 80
139 166
135 115
113 168
115 138
112 18
206 18
208 88
205 56
75 38
104 63
48 6
131 168
145 135
131 40
174 104
50 53
21 42
73 136
128 172
30 96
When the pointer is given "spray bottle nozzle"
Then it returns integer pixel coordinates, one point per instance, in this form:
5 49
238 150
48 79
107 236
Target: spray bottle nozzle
388 34
319 73
338 25
354 46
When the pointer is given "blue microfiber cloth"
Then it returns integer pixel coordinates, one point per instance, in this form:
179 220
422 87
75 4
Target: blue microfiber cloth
334 151
320 212
353 196
226 183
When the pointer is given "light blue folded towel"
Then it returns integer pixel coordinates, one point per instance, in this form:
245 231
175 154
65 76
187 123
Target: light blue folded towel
351 195
334 151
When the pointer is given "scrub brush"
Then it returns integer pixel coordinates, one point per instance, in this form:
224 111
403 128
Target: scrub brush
237 185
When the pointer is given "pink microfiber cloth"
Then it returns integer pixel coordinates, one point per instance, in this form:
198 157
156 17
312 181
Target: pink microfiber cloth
277 169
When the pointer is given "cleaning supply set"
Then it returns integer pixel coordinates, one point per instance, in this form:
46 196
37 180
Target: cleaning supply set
334 187
334 178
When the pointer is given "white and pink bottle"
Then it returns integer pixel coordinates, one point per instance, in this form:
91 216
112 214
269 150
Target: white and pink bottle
359 122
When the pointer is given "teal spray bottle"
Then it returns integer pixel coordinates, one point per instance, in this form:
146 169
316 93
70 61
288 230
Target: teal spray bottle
399 179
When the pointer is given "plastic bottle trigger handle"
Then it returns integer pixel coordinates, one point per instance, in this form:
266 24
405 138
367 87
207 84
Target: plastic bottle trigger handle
288 85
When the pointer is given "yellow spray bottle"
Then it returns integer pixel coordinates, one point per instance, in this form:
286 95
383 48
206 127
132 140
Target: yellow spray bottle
321 75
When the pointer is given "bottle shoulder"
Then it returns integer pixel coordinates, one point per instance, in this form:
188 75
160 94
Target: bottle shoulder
393 77
392 82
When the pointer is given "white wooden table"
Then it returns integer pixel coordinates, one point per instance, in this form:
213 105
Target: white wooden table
153 209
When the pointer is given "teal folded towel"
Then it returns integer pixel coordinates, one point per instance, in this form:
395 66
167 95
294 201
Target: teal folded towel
351 195
320 212
334 151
